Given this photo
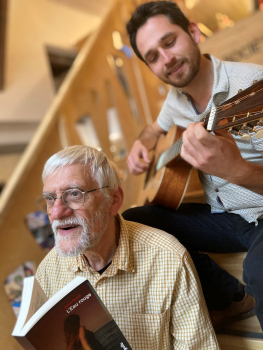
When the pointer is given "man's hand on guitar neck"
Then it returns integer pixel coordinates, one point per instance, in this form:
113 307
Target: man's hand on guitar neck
219 155
138 160
216 155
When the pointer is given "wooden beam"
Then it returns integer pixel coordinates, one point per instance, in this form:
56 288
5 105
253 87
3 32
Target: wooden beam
3 20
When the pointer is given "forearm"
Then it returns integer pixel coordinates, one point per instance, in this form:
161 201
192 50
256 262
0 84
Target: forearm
149 135
249 176
148 138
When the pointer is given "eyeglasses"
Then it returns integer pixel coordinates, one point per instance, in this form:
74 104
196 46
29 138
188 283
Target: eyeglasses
73 198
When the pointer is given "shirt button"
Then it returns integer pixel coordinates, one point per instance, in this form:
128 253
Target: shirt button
217 190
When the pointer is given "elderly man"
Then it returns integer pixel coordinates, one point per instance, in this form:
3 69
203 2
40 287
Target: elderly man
156 307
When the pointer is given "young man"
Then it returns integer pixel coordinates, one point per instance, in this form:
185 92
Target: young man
230 168
155 306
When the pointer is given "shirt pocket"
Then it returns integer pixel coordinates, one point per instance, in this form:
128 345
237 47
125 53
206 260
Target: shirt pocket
146 331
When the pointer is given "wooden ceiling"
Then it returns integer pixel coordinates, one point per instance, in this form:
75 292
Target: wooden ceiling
203 11
93 7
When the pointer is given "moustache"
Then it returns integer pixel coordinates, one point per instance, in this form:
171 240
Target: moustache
173 66
68 221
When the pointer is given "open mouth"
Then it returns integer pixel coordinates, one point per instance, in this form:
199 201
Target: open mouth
66 229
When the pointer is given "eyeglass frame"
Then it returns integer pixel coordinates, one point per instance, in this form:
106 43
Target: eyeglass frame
83 193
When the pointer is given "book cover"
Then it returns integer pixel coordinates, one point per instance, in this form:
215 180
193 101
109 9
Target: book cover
75 318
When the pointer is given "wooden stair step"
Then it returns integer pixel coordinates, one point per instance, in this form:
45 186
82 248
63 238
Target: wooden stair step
233 263
250 325
227 342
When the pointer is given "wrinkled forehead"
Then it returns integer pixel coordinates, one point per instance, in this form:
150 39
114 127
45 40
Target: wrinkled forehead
70 176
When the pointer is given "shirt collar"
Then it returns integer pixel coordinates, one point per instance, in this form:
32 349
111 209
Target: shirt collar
221 81
122 259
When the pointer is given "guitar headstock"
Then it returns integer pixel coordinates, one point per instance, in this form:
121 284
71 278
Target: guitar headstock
241 115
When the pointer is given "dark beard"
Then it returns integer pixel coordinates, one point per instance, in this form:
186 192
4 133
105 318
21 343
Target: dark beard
194 65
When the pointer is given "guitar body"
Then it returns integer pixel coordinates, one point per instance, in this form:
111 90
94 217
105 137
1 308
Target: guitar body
167 185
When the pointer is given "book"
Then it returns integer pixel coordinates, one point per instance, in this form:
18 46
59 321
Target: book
75 318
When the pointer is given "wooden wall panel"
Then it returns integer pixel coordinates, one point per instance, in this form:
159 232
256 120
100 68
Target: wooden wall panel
3 20
17 244
241 43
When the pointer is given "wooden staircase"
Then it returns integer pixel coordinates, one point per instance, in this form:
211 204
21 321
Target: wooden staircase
85 92
233 264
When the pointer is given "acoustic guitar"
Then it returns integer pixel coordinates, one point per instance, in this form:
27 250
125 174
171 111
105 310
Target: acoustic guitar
168 174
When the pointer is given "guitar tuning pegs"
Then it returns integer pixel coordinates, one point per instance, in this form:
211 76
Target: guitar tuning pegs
246 127
245 136
244 132
259 133
232 131
258 129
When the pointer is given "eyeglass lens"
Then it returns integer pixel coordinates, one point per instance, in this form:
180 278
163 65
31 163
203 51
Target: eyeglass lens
72 198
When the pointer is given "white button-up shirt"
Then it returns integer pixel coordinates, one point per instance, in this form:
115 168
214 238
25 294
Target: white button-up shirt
229 77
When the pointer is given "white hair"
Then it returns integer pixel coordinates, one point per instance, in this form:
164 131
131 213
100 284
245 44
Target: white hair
95 162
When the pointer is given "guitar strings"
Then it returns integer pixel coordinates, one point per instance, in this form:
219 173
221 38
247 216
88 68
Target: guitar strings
231 104
239 100
244 114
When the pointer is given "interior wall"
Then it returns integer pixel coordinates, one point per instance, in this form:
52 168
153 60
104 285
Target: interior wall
241 43
31 25
8 163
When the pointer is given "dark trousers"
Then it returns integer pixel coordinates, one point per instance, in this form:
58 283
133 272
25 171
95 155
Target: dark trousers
200 231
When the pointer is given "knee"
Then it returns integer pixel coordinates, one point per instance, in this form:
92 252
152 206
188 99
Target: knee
149 215
131 214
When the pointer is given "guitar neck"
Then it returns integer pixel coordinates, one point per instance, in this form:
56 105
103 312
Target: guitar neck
171 153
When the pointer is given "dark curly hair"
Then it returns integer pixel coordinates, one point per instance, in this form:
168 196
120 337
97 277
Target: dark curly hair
150 9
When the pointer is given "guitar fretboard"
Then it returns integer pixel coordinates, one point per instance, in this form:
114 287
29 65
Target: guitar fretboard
169 154
175 149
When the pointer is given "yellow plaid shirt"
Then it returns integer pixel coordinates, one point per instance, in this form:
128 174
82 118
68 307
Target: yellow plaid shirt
151 289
